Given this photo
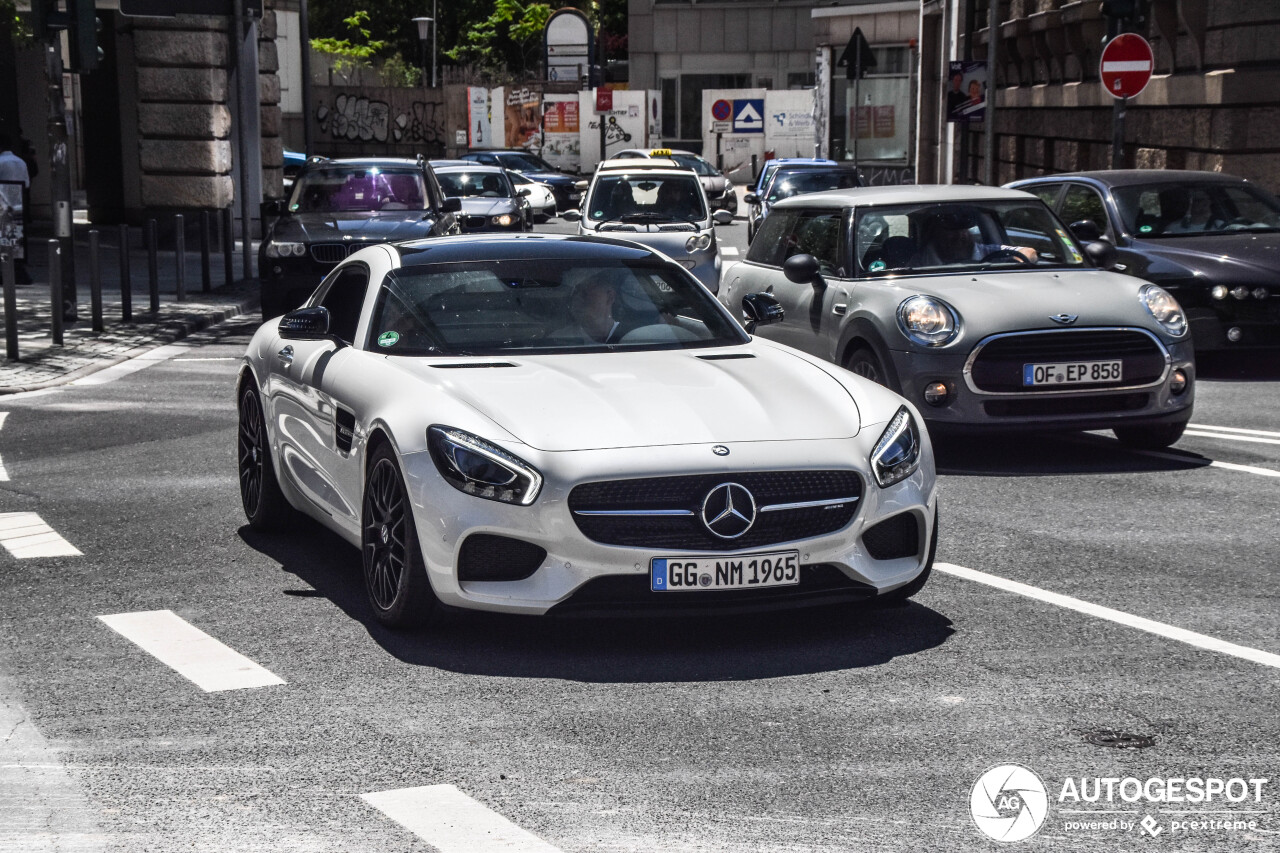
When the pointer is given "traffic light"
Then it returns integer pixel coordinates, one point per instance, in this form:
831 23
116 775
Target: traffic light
83 36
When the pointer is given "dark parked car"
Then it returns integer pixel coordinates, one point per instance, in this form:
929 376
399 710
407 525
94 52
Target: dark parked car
797 178
534 167
339 206
489 201
1211 240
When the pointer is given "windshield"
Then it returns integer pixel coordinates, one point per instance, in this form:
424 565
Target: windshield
335 190
962 236
1182 209
788 182
467 184
699 166
525 163
545 306
640 199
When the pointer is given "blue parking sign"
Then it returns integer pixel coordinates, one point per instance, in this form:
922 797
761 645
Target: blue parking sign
748 115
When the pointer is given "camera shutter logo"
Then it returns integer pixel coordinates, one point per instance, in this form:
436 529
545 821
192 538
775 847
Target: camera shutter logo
1009 803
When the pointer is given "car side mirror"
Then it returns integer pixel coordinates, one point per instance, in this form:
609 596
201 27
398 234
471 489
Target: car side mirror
523 191
580 185
305 324
451 204
760 309
722 217
1102 253
571 215
1085 230
751 198
275 207
802 269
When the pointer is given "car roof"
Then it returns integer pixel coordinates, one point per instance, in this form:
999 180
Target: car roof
488 247
1129 177
908 194
363 161
465 165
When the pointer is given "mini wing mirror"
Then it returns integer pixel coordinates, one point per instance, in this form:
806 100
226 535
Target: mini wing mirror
1086 230
802 269
451 204
1102 253
571 215
760 309
751 198
722 217
305 324
580 185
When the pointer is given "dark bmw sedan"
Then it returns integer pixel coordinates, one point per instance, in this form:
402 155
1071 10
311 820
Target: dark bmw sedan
338 207
1211 240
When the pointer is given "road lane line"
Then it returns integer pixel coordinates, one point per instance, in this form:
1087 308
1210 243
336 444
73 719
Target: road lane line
4 474
192 653
26 535
1213 463
1236 429
1222 436
729 251
452 822
1202 641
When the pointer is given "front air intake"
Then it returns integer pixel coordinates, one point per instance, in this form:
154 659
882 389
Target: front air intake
486 557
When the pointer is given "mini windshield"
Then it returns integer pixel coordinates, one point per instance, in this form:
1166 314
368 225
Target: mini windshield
961 236
545 306
797 182
468 184
342 189
637 200
1190 209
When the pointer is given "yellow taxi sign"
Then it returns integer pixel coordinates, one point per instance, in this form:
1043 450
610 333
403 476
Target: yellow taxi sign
660 152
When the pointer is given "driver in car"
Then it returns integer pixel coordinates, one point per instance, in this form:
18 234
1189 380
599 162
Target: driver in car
949 239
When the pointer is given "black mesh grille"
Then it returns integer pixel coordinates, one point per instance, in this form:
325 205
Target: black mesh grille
893 538
328 253
999 364
485 557
688 493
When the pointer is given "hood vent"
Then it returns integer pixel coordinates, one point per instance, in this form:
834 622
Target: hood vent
470 364
726 356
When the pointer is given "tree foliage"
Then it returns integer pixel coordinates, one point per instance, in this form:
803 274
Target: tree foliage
356 51
508 40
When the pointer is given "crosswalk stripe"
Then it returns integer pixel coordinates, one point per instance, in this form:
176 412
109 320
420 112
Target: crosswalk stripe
1262 432
26 535
190 652
452 822
729 251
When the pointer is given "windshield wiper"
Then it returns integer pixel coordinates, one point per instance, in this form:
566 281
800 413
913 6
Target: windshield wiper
649 217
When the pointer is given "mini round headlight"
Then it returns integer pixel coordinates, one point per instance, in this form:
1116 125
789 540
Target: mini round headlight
928 321
1220 291
1164 308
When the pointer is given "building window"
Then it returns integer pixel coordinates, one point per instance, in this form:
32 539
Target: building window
691 86
670 108
802 80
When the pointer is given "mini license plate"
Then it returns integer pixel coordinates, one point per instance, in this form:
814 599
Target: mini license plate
1071 373
746 571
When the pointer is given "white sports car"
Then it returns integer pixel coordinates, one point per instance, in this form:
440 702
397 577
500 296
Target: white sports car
539 424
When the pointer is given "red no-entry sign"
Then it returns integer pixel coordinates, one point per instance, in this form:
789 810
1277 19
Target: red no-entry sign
1126 65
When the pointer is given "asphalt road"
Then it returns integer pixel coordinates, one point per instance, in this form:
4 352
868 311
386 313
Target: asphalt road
854 730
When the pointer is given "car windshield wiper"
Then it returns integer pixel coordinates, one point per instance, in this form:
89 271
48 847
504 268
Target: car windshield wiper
650 217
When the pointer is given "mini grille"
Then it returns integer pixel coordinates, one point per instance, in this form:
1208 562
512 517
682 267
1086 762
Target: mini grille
999 363
328 253
688 493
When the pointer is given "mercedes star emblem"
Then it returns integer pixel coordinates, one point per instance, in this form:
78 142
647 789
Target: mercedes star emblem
729 510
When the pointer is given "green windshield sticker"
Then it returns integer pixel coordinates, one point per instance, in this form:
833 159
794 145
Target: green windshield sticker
877 266
1145 229
388 339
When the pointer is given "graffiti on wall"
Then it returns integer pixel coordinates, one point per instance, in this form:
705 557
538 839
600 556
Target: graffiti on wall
354 117
887 176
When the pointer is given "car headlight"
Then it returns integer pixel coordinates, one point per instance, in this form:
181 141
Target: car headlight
897 454
698 242
928 321
475 466
284 250
1161 305
503 219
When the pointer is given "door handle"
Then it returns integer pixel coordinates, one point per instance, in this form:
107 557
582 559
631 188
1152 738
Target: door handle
286 356
839 308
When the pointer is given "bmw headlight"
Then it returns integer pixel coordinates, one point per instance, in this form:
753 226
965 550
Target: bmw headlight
503 219
928 321
698 242
1161 305
285 250
897 454
475 466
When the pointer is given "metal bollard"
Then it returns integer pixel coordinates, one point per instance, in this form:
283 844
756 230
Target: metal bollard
126 280
95 280
228 246
206 275
180 254
153 266
10 305
55 288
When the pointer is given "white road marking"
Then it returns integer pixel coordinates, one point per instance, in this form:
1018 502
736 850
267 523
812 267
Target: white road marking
133 365
192 653
1234 435
1202 641
4 474
729 251
208 358
1235 429
25 535
452 822
1213 463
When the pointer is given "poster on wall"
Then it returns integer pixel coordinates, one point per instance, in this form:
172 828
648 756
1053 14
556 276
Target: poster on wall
966 92
561 146
11 239
479 118
523 118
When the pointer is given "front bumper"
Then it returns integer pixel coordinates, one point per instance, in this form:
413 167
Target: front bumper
579 574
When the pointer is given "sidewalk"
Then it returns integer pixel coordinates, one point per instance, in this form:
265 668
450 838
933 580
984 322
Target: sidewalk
40 364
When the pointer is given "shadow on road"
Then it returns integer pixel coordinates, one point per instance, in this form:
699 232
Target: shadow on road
1051 455
1238 367
621 650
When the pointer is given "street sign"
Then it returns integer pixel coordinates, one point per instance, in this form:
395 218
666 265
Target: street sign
1125 68
722 110
748 115
604 100
857 58
721 127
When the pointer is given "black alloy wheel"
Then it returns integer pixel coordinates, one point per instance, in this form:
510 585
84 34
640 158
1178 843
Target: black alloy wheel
863 362
394 575
1155 437
264 504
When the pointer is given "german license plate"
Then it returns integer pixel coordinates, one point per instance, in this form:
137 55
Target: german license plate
746 571
1071 373
574 196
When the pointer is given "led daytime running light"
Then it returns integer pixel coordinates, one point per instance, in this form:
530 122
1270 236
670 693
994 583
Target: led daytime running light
897 453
